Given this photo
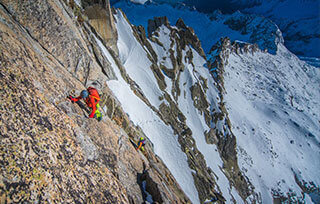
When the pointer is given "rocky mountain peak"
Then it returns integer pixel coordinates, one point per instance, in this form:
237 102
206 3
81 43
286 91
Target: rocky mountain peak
188 37
156 22
180 24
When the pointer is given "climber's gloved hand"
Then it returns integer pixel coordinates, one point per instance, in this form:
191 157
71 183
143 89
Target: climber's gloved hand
71 98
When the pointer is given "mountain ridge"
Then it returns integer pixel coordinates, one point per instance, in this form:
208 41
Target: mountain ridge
298 21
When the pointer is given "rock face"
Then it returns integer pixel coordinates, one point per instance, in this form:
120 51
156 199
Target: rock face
101 19
50 151
156 23
46 154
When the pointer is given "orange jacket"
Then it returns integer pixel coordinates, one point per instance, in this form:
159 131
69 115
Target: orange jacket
139 145
91 102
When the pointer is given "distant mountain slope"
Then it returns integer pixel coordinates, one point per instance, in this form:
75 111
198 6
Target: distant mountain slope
298 20
209 28
273 107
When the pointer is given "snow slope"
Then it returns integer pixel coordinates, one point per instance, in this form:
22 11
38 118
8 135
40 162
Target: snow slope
273 104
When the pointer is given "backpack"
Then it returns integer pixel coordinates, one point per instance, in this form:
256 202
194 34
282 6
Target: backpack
143 140
93 93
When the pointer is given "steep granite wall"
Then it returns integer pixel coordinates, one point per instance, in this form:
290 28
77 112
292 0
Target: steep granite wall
50 151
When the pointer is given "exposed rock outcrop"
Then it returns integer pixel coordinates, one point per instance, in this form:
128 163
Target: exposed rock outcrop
156 23
101 19
189 37
47 154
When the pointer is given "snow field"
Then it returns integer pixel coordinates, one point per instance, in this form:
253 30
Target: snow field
136 62
272 132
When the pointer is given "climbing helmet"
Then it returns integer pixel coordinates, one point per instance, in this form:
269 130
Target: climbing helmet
84 94
143 140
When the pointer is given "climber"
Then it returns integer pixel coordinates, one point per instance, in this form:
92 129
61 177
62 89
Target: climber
92 98
213 200
141 143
